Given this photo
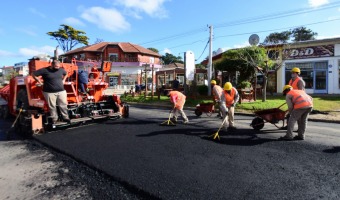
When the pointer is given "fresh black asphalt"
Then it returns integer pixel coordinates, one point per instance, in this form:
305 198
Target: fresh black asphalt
182 162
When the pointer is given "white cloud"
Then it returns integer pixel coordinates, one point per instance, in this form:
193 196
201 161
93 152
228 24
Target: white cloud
7 54
107 19
244 44
326 37
317 3
153 8
73 21
33 51
34 11
166 50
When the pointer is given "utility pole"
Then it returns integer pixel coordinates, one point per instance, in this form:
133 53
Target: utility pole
210 60
185 75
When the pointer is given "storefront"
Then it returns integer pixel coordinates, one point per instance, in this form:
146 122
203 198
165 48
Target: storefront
319 62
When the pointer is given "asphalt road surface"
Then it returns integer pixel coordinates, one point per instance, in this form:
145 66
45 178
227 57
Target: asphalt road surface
183 162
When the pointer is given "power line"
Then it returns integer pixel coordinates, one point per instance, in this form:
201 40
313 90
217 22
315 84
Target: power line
247 20
203 50
276 15
238 34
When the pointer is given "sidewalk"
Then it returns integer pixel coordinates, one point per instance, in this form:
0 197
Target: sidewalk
332 117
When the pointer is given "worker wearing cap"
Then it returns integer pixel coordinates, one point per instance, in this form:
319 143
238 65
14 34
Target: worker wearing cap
300 104
178 99
229 98
296 81
217 92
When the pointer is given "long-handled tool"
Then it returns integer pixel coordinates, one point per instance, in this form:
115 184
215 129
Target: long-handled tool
216 135
168 122
8 133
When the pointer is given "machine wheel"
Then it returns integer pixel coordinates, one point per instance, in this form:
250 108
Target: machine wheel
4 112
257 123
22 99
198 112
126 111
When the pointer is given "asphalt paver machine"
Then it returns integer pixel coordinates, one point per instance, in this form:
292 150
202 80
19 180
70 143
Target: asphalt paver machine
25 100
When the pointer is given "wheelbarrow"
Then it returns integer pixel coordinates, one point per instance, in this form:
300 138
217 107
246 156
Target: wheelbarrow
207 108
272 115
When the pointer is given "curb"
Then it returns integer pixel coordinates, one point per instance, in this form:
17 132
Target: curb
236 113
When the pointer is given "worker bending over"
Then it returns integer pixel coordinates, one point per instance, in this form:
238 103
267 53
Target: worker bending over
300 104
296 81
178 100
229 98
217 92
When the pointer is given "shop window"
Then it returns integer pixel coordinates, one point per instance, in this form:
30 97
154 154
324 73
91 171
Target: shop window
307 73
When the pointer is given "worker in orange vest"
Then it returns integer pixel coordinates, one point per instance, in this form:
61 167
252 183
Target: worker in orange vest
178 99
229 99
217 92
296 81
300 104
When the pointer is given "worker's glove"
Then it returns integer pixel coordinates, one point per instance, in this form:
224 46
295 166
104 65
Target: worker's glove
233 105
39 84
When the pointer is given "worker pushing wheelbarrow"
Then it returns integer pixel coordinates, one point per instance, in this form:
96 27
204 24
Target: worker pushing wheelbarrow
272 115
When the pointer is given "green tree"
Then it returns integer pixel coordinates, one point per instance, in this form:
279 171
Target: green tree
295 35
153 49
303 34
169 58
68 37
247 60
277 38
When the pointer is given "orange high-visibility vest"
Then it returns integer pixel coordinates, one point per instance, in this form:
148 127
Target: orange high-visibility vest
294 83
177 98
300 99
217 92
229 98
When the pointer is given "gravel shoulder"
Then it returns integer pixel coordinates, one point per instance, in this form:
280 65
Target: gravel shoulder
31 171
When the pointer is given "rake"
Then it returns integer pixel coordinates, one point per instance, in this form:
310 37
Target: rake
216 135
168 122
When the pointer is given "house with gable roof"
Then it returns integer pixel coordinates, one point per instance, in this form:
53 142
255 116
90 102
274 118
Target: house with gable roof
130 62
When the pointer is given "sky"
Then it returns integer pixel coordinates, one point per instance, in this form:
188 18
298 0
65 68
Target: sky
171 26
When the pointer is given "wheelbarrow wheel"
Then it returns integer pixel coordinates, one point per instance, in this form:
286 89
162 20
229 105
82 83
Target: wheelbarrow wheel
257 123
198 112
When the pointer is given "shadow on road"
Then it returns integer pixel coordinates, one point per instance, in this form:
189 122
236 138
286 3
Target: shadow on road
240 137
333 150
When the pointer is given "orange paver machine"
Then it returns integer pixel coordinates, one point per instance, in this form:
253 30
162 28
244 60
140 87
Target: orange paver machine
25 99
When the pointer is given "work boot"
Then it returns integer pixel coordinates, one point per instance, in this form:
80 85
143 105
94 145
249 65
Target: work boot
185 121
174 119
298 138
286 138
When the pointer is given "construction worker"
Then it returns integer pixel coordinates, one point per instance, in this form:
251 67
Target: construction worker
54 92
178 99
217 92
300 104
229 99
296 81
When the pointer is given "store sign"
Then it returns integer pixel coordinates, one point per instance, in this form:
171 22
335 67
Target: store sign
113 74
309 52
